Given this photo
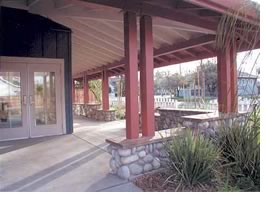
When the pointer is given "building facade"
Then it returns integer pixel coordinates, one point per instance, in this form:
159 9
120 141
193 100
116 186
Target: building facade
35 76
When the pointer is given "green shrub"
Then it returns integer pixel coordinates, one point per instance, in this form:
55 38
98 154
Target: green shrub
120 114
240 146
227 187
193 161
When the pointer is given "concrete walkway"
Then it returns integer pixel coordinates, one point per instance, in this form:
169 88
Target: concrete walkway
75 162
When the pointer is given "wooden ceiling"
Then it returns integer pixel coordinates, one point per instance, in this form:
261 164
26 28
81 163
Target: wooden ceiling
182 31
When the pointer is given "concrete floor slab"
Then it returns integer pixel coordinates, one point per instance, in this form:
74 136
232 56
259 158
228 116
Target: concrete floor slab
98 131
75 162
126 187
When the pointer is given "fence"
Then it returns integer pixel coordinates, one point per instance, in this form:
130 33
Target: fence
165 102
244 104
114 101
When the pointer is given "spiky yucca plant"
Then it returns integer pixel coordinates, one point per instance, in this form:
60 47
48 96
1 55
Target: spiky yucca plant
234 28
240 145
193 161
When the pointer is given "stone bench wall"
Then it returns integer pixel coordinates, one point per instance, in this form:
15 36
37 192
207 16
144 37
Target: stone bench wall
105 115
211 125
137 158
171 118
157 121
130 162
94 112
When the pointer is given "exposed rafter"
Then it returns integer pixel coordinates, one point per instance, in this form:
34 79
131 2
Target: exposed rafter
99 30
155 10
83 31
222 7
204 40
87 58
100 53
161 59
208 48
186 59
185 45
32 2
91 43
88 52
177 56
166 58
190 52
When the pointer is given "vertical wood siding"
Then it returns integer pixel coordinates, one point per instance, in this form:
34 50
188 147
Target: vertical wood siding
27 35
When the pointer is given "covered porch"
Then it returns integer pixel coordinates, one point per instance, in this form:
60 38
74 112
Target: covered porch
131 38
151 35
148 44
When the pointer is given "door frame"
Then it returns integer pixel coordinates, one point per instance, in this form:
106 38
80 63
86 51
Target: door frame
29 60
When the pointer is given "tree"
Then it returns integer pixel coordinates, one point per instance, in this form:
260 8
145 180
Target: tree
95 86
210 72
177 82
158 82
165 81
120 86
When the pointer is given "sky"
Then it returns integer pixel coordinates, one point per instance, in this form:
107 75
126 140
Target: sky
244 64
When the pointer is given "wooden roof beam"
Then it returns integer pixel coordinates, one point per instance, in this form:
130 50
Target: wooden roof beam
208 48
120 69
223 8
95 77
177 56
161 59
203 40
186 59
113 16
190 52
158 11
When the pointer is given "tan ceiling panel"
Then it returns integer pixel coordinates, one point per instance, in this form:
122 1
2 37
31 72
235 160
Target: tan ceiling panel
97 30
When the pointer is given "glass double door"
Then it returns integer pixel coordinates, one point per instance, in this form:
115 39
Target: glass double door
30 100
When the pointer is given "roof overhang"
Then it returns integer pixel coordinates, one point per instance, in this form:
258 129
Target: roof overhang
182 30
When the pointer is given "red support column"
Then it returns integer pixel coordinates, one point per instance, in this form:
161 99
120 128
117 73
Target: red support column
85 86
73 90
224 81
131 75
233 75
147 76
105 90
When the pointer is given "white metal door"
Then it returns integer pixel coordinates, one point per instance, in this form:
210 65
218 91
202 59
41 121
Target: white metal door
31 98
45 99
13 101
